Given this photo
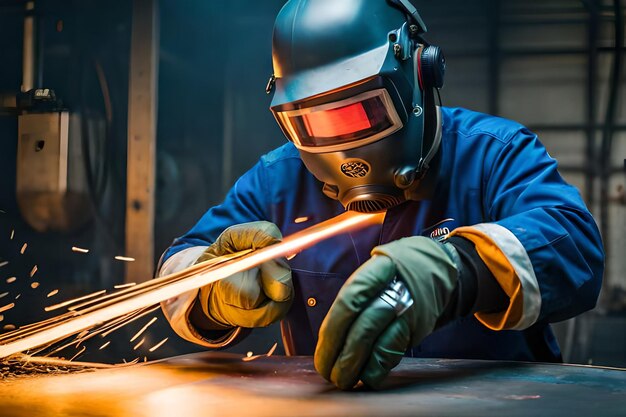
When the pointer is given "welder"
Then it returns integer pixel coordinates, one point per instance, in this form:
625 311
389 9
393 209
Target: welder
483 243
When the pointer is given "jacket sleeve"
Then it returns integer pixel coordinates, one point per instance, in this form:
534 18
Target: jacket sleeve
539 241
246 201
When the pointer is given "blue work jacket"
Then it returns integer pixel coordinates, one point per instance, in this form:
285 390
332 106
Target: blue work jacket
490 170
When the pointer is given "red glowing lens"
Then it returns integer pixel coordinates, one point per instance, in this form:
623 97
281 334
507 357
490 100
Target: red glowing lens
360 119
336 122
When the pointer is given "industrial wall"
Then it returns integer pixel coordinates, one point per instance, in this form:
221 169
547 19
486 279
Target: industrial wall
547 64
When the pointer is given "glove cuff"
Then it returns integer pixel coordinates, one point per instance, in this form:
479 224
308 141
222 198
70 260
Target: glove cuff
477 290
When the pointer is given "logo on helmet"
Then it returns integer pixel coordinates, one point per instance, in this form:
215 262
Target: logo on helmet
355 169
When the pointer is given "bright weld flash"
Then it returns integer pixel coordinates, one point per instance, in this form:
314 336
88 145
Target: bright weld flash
189 279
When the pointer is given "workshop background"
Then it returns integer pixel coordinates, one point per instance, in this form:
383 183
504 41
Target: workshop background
192 102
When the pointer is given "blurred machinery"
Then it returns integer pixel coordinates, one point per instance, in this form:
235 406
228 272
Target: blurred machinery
51 188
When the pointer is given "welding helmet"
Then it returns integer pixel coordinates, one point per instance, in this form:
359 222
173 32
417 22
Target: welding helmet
353 90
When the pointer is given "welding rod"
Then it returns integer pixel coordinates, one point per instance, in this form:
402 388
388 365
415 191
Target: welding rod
191 278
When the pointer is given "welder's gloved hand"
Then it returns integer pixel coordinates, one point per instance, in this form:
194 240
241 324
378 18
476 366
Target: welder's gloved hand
362 340
253 298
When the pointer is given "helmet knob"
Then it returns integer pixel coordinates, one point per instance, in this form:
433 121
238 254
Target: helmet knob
404 177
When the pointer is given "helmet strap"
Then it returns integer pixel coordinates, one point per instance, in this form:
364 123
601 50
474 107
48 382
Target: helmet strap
432 135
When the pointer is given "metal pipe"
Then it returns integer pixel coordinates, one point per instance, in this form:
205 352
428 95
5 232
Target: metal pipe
609 123
28 58
592 84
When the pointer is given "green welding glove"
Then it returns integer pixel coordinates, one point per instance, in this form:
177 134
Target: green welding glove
363 340
254 298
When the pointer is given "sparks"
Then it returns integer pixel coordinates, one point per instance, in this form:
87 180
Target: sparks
143 339
33 271
104 345
12 234
4 294
143 329
125 258
3 263
301 219
51 293
78 353
130 284
11 279
158 345
250 357
272 349
79 250
75 300
24 246
129 320
164 288
34 285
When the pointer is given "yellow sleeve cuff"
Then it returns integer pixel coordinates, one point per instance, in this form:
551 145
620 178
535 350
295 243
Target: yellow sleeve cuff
499 265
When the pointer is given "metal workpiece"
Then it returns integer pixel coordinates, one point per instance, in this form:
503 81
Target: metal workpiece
396 297
214 383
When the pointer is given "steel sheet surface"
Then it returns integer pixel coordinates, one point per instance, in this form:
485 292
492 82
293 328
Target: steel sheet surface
213 383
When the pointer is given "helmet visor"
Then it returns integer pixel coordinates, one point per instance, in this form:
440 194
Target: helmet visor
342 124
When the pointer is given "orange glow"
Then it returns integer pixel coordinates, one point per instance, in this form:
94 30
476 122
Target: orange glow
157 290
337 122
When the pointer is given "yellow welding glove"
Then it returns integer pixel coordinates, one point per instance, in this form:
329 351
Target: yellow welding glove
362 338
253 298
